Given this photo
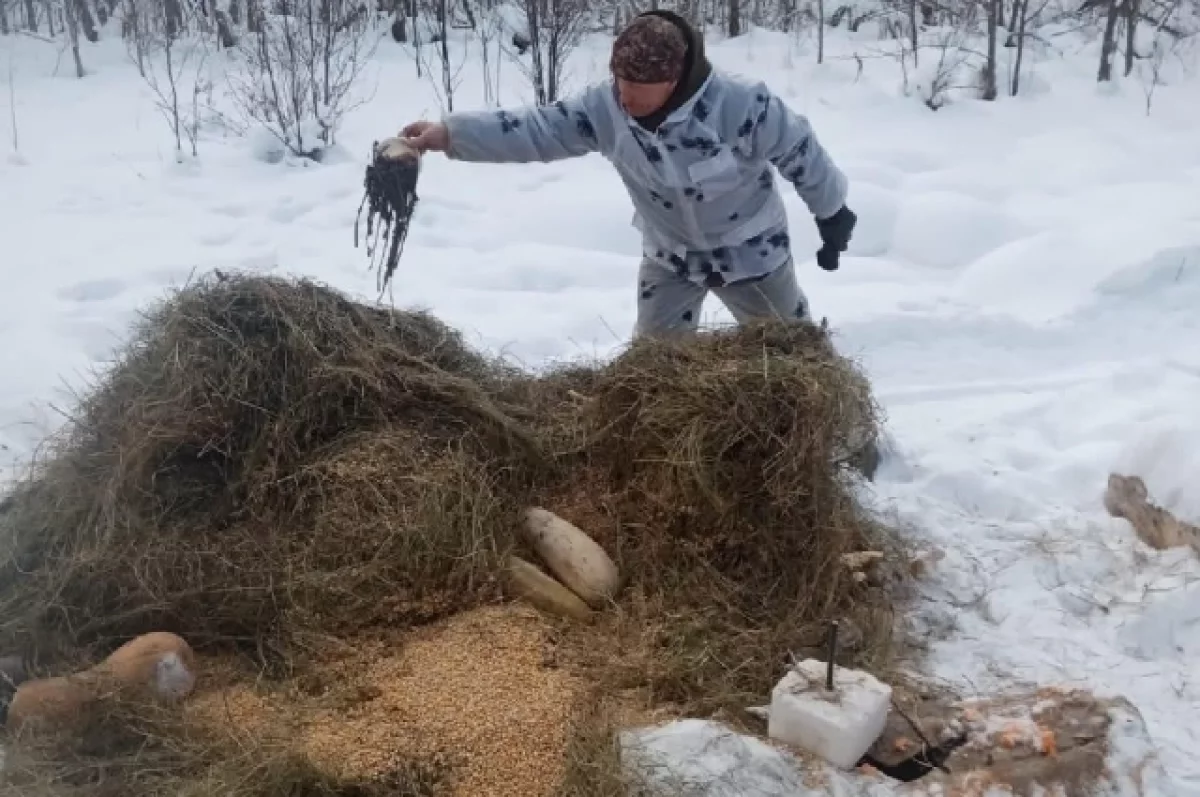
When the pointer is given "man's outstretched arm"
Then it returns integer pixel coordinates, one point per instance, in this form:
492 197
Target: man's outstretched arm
564 129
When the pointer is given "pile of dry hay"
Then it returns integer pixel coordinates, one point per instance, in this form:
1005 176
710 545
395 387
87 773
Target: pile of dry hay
268 459
720 473
265 457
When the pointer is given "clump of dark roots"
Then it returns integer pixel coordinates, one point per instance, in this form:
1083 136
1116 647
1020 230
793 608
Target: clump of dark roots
268 458
390 197
131 750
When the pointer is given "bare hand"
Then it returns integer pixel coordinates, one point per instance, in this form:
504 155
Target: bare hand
426 136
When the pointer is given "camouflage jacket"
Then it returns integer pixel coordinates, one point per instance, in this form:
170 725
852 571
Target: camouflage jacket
702 185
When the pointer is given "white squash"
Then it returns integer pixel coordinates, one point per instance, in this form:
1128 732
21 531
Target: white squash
529 582
572 556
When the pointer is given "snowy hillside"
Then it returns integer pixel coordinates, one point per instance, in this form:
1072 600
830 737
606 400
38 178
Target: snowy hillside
1022 288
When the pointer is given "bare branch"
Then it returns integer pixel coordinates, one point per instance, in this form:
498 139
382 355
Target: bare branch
172 66
12 107
554 30
299 71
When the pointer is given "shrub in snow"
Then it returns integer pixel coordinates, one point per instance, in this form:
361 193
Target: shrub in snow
441 56
174 66
1167 58
944 70
266 147
551 30
175 71
297 70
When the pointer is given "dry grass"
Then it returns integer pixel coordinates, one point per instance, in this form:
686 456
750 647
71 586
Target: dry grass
148 751
269 463
720 474
593 756
196 487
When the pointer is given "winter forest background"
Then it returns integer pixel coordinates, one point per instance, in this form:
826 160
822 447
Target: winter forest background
294 66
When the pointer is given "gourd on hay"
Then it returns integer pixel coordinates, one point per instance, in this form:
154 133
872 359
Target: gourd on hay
729 461
190 490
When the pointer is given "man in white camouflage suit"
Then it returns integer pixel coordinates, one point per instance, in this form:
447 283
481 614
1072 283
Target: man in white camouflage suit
695 148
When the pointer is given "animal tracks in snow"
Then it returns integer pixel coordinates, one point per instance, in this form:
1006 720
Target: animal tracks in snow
289 210
217 237
92 290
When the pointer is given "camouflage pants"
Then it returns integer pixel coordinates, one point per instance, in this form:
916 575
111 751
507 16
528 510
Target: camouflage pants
669 304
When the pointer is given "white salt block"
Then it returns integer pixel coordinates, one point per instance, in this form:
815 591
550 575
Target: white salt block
840 725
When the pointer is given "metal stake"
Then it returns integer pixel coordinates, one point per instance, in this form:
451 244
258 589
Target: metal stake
832 654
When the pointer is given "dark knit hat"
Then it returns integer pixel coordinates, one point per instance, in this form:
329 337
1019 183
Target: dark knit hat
650 50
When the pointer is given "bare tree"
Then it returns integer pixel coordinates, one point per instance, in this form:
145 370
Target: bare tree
1108 43
1132 12
416 35
555 28
486 25
445 72
944 74
1017 39
173 20
12 111
448 73
135 32
172 66
820 31
989 62
87 20
296 59
298 71
914 31
226 38
70 12
1023 17
1151 77
1164 45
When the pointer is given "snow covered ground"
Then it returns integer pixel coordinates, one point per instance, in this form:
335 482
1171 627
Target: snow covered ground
1023 289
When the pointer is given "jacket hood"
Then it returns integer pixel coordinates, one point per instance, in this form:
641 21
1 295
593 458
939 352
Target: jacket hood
696 69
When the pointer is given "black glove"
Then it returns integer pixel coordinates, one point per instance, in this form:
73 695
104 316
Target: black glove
835 235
